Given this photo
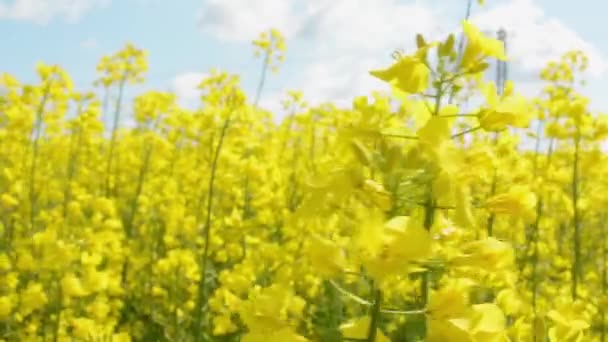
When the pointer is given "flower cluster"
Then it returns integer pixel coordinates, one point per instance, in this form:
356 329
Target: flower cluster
401 218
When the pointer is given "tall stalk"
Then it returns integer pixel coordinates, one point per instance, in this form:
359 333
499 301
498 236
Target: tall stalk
71 168
429 217
35 148
373 325
207 226
576 219
265 64
461 47
535 230
121 87
493 186
604 275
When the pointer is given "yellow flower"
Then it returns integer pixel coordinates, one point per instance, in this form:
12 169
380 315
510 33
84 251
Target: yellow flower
99 309
325 256
5 262
452 319
222 324
489 253
511 110
280 335
6 306
72 286
393 246
565 329
359 329
121 337
8 201
479 46
510 301
33 298
408 74
83 328
488 323
519 201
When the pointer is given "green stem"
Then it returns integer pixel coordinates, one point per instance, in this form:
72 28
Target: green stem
350 294
466 131
258 92
312 146
113 137
535 234
576 267
373 326
59 308
106 101
207 227
71 170
407 137
464 115
403 312
37 134
535 239
492 217
461 48
604 276
429 217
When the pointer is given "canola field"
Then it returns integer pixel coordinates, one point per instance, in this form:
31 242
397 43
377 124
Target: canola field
408 216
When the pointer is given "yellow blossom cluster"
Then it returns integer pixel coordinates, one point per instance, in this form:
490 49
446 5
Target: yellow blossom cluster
399 218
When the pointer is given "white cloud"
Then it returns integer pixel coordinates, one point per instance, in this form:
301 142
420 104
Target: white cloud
376 26
185 86
359 36
534 38
339 80
243 20
43 11
352 36
352 23
344 39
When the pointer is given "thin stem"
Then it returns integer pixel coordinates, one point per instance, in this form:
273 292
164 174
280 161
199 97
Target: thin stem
403 312
37 134
461 48
536 236
373 326
106 101
350 294
536 226
429 217
460 115
113 137
408 137
258 92
58 308
71 169
467 131
207 226
492 217
576 267
604 276
312 145
290 121
140 184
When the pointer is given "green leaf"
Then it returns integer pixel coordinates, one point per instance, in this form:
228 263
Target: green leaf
420 42
477 68
361 152
446 48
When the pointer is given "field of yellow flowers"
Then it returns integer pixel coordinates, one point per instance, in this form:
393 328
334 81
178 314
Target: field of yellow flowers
402 218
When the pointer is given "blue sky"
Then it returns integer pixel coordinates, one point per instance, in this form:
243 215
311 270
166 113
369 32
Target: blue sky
331 43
